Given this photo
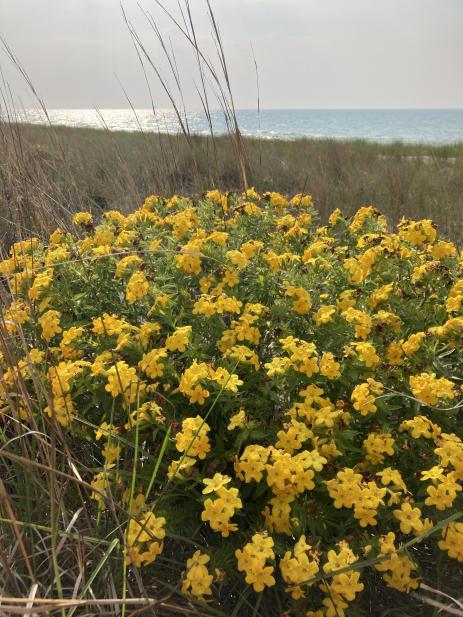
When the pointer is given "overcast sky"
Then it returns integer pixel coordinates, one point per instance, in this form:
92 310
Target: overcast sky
310 53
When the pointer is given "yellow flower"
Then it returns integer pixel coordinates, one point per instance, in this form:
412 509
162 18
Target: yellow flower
252 558
420 426
366 354
378 444
408 517
137 287
123 379
229 381
82 218
347 585
42 282
189 259
36 356
428 389
329 367
179 339
109 325
219 511
443 495
361 321
215 483
303 303
324 315
100 483
238 259
111 453
230 277
197 580
237 420
394 353
391 476
192 439
364 396
50 324
413 343
452 540
105 429
144 539
126 263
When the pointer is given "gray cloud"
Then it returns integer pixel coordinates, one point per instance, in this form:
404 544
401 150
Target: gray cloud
311 53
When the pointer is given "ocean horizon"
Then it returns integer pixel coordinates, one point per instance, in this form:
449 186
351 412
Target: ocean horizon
431 126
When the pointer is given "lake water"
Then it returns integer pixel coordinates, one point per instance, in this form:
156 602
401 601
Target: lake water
408 125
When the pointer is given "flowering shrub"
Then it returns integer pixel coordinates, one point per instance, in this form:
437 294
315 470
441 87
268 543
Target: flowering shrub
273 404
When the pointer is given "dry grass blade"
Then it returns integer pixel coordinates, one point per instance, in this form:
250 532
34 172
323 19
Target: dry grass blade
441 593
6 503
32 594
22 606
239 146
224 91
181 120
443 608
28 606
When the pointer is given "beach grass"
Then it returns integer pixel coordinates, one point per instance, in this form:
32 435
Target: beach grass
47 173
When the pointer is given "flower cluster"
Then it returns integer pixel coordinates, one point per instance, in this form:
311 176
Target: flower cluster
143 539
252 560
270 401
219 511
197 580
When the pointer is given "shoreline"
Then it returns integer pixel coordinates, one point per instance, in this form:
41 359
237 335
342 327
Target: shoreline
433 127
436 148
